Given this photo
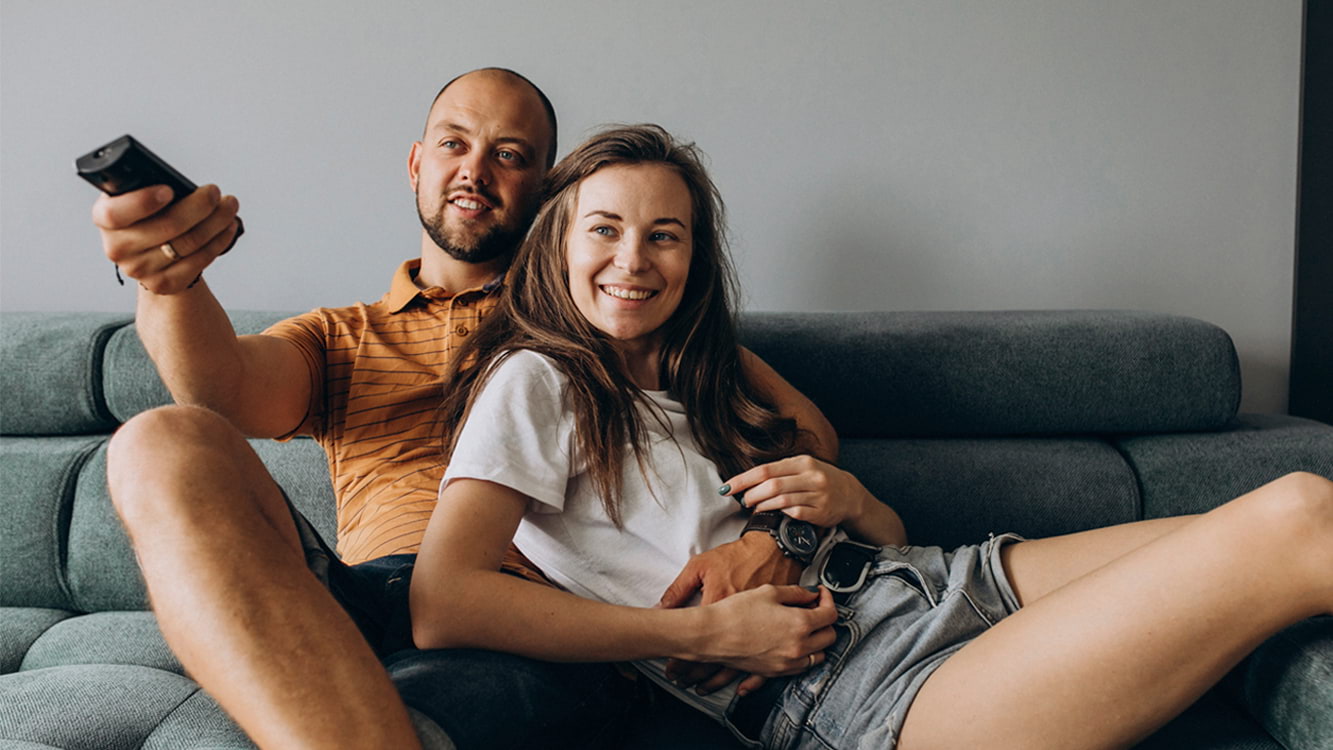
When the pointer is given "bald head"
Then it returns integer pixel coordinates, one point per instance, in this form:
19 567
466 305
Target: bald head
504 79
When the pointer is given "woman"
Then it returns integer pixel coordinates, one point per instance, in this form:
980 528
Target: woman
606 407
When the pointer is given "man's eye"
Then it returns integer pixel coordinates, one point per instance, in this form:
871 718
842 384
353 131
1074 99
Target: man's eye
507 155
450 144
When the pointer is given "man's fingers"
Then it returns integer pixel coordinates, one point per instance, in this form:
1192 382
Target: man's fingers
125 243
722 678
679 592
222 220
690 673
797 596
120 211
750 684
181 275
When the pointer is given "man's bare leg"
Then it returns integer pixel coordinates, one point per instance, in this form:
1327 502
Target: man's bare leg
234 599
1102 660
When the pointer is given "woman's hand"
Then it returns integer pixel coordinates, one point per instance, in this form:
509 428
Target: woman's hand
812 490
768 631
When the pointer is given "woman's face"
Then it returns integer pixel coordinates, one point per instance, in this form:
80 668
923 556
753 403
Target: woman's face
628 251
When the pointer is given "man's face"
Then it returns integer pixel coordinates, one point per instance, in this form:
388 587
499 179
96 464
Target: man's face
477 170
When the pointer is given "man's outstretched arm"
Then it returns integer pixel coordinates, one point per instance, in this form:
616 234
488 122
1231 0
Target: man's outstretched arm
261 383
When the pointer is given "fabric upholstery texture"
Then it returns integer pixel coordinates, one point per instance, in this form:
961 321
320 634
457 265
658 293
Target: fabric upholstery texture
925 374
967 423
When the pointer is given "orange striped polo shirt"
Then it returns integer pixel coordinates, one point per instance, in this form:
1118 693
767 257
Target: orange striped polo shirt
376 376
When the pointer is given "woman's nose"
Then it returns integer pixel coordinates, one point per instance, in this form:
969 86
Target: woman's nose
632 256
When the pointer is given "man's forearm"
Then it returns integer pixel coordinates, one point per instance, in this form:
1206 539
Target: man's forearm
191 341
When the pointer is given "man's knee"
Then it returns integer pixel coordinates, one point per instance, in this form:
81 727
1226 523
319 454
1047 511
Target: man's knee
158 448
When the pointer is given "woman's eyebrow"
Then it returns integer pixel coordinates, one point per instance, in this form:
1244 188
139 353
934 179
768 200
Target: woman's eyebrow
617 217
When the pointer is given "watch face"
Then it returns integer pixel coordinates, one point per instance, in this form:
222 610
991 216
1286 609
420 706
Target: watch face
800 537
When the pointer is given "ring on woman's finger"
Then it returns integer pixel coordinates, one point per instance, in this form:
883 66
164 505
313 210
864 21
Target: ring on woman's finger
811 665
169 251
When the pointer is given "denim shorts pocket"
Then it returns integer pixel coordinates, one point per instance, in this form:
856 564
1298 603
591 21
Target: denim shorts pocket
910 577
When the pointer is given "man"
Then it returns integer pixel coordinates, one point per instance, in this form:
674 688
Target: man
295 657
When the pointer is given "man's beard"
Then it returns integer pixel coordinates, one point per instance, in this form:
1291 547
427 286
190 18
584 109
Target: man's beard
494 242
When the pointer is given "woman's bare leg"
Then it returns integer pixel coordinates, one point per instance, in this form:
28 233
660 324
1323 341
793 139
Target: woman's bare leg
1102 660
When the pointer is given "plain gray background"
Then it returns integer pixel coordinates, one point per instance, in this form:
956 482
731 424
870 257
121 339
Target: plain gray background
881 154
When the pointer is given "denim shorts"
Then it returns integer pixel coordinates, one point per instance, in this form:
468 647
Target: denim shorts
919 606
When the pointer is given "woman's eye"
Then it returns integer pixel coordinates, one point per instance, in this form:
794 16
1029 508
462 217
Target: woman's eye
663 237
604 230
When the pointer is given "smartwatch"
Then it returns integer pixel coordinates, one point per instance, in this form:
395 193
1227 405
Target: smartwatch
797 539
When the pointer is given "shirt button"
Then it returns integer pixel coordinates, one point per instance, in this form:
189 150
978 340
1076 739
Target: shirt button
461 330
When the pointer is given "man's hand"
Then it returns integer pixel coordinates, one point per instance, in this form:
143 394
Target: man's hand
135 232
748 562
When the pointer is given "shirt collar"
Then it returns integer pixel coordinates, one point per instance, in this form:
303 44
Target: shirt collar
404 287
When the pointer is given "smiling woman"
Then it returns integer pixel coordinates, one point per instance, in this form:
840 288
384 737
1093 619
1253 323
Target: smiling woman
628 251
605 403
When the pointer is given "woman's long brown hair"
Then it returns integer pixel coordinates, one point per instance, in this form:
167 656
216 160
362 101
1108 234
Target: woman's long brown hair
732 422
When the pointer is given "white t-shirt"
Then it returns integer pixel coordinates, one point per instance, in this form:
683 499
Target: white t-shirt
520 434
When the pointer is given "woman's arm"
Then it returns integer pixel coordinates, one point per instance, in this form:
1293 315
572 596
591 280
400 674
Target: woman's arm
460 599
809 489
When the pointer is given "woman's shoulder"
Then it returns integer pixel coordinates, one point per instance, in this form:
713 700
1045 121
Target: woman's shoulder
527 367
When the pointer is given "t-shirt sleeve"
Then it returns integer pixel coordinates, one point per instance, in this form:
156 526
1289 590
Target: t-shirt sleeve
308 333
519 433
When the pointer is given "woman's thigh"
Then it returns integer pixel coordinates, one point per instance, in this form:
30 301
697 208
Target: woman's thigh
1036 568
1110 647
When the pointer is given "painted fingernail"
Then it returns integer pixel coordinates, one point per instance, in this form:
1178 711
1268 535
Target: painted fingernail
724 489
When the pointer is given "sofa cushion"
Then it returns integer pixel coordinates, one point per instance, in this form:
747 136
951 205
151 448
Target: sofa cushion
199 724
952 492
131 383
102 570
1287 684
52 372
103 638
1003 373
20 627
117 706
1195 472
40 480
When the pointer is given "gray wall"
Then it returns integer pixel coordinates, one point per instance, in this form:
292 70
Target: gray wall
886 154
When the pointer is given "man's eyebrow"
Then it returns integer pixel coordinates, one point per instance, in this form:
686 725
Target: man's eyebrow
616 217
453 127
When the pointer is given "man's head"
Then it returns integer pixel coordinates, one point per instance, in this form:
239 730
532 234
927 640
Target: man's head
478 169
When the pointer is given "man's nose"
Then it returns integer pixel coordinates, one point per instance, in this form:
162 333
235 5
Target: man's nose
474 169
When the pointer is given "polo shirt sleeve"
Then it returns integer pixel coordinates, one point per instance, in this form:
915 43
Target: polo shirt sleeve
309 332
519 433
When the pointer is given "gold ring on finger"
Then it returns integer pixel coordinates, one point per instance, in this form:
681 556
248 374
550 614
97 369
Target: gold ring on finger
811 665
169 251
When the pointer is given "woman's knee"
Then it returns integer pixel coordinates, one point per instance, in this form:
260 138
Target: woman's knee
1298 507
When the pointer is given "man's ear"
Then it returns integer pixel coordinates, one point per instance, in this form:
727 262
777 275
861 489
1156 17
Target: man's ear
414 163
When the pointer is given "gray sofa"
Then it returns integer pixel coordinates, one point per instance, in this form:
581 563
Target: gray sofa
968 423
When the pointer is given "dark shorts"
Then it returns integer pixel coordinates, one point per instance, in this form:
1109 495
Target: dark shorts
374 593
